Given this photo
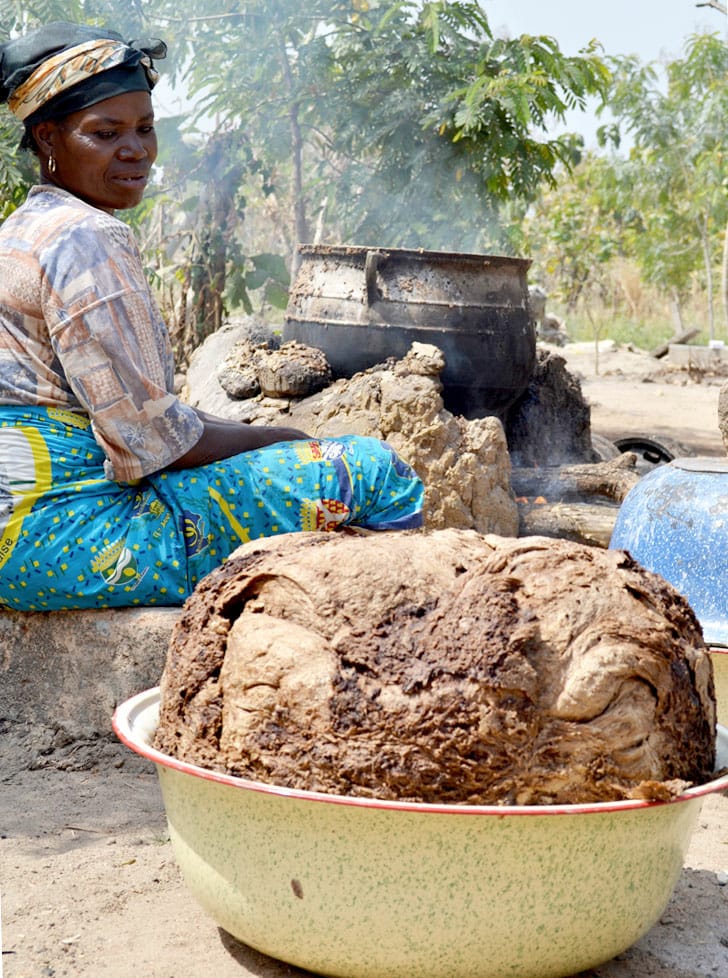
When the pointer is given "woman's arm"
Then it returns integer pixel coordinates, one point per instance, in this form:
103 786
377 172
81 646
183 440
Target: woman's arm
222 438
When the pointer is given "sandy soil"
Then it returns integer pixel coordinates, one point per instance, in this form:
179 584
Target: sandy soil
88 881
631 394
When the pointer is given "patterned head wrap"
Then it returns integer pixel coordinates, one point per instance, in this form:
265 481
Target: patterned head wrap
61 68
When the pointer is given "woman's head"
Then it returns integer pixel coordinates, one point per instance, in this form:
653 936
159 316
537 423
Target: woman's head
102 154
83 95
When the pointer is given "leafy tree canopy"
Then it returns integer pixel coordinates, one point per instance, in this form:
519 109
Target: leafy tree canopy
370 121
675 173
367 107
403 121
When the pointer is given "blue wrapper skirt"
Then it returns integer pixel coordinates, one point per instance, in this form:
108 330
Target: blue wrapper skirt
70 538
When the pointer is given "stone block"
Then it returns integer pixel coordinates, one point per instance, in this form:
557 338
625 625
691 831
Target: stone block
68 670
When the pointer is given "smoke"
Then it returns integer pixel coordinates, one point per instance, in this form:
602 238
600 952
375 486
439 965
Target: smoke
348 136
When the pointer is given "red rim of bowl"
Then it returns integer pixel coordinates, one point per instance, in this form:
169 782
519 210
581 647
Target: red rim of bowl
122 724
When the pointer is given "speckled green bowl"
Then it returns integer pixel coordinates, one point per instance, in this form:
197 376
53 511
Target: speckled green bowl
365 889
719 658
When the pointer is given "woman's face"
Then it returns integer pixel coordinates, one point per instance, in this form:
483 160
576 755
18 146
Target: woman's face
103 154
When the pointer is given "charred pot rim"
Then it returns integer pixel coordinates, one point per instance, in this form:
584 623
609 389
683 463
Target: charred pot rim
413 254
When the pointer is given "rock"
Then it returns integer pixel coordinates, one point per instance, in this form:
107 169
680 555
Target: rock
441 667
553 330
464 464
239 384
66 671
238 375
289 371
551 423
549 329
202 388
295 370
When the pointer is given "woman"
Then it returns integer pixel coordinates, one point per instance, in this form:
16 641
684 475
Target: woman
112 491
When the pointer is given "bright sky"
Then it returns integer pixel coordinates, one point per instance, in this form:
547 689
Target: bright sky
655 30
648 28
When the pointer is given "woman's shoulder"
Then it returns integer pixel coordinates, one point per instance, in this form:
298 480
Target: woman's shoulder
54 218
53 202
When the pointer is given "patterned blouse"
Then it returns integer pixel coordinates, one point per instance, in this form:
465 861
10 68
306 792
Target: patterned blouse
80 330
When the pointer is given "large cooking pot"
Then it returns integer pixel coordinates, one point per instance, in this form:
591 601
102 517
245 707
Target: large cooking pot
363 305
674 521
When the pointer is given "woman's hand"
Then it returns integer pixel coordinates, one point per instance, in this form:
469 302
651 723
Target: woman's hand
222 438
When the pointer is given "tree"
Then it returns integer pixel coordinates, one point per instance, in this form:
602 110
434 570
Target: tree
394 121
386 121
675 175
576 229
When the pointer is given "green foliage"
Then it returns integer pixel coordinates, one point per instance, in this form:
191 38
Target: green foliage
373 121
402 122
14 178
674 178
437 124
267 272
520 88
576 229
662 206
19 15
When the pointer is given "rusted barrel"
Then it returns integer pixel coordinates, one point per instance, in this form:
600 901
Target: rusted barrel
362 305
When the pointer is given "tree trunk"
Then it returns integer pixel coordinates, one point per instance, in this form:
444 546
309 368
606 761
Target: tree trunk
580 522
611 480
707 261
558 501
215 224
597 332
677 312
664 348
299 201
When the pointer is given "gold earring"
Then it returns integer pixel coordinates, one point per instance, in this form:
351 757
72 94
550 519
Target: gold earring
51 164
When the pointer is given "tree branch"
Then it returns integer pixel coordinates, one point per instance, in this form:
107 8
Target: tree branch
715 4
195 20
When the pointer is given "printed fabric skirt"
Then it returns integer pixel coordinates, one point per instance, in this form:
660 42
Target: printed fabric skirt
70 538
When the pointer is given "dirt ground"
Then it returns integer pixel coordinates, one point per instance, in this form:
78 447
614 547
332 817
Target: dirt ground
633 394
88 883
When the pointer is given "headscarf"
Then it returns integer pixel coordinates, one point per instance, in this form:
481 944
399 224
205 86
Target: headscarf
61 68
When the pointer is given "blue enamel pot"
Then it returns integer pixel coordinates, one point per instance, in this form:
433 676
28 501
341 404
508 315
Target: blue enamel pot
675 523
